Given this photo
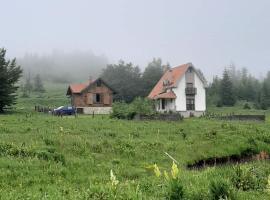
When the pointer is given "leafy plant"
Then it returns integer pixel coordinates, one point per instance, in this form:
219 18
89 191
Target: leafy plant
246 178
220 189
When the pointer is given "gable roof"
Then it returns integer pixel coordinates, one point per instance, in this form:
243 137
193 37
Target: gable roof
78 88
172 76
166 95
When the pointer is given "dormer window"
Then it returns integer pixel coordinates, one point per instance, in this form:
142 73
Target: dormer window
166 82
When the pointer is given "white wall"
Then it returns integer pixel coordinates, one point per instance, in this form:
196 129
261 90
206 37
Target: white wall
180 92
169 105
200 97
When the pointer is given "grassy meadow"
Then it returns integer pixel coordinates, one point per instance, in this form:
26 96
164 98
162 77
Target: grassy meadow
47 157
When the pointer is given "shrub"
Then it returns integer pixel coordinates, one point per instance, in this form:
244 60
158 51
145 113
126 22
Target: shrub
220 189
246 178
175 190
122 110
247 106
219 104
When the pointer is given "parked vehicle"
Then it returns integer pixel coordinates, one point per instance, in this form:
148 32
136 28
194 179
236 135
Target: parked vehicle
64 110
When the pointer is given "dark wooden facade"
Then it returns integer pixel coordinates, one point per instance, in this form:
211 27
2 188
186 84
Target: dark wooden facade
94 94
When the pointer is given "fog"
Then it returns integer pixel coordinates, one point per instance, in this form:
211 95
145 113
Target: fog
211 34
63 67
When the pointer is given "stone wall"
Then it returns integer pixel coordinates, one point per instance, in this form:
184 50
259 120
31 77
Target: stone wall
187 114
96 110
161 117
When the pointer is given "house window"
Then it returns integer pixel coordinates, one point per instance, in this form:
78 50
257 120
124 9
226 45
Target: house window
189 85
98 83
190 104
163 103
97 98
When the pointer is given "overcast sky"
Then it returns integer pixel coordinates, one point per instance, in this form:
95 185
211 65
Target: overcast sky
209 33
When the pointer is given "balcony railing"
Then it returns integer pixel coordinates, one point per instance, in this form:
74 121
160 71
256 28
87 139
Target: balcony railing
191 91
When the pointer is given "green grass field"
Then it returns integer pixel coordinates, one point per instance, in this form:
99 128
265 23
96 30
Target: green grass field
47 157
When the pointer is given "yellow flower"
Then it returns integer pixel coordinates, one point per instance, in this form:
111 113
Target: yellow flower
114 181
166 175
174 170
156 170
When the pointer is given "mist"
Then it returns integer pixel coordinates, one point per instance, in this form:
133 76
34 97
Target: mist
63 67
211 34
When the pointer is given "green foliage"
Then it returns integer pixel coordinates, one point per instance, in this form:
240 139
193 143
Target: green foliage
227 95
38 84
175 190
9 75
125 78
221 189
239 85
122 110
246 106
151 75
247 178
128 80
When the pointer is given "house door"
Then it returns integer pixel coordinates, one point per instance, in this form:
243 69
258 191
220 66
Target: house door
163 103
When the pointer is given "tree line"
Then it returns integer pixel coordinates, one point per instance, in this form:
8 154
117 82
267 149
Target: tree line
128 80
31 85
238 85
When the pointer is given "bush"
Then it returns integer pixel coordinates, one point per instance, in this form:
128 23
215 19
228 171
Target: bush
247 106
246 178
175 190
219 104
220 189
122 110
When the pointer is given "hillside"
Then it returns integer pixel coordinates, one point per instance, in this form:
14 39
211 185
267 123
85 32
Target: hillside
47 157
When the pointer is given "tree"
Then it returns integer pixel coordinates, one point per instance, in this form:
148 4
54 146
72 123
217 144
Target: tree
38 85
125 78
151 75
213 91
265 93
9 76
227 95
28 86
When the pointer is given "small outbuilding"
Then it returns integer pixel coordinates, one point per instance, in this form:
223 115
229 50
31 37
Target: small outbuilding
91 97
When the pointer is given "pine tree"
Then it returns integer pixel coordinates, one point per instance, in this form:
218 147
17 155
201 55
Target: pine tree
265 93
227 94
28 85
9 76
38 85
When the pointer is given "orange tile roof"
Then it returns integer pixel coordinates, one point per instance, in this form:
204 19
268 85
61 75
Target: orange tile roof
166 95
77 88
171 75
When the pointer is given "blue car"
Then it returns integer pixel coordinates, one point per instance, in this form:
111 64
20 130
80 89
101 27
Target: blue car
64 110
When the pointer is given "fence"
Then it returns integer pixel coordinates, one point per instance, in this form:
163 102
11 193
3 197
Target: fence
44 109
232 116
161 117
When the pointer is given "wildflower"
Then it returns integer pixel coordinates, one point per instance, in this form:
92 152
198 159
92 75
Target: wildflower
156 170
114 181
166 175
61 129
174 170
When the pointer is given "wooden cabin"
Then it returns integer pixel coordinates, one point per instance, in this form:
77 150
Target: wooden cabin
91 97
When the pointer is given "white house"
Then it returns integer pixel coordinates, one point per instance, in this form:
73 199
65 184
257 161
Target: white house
180 89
